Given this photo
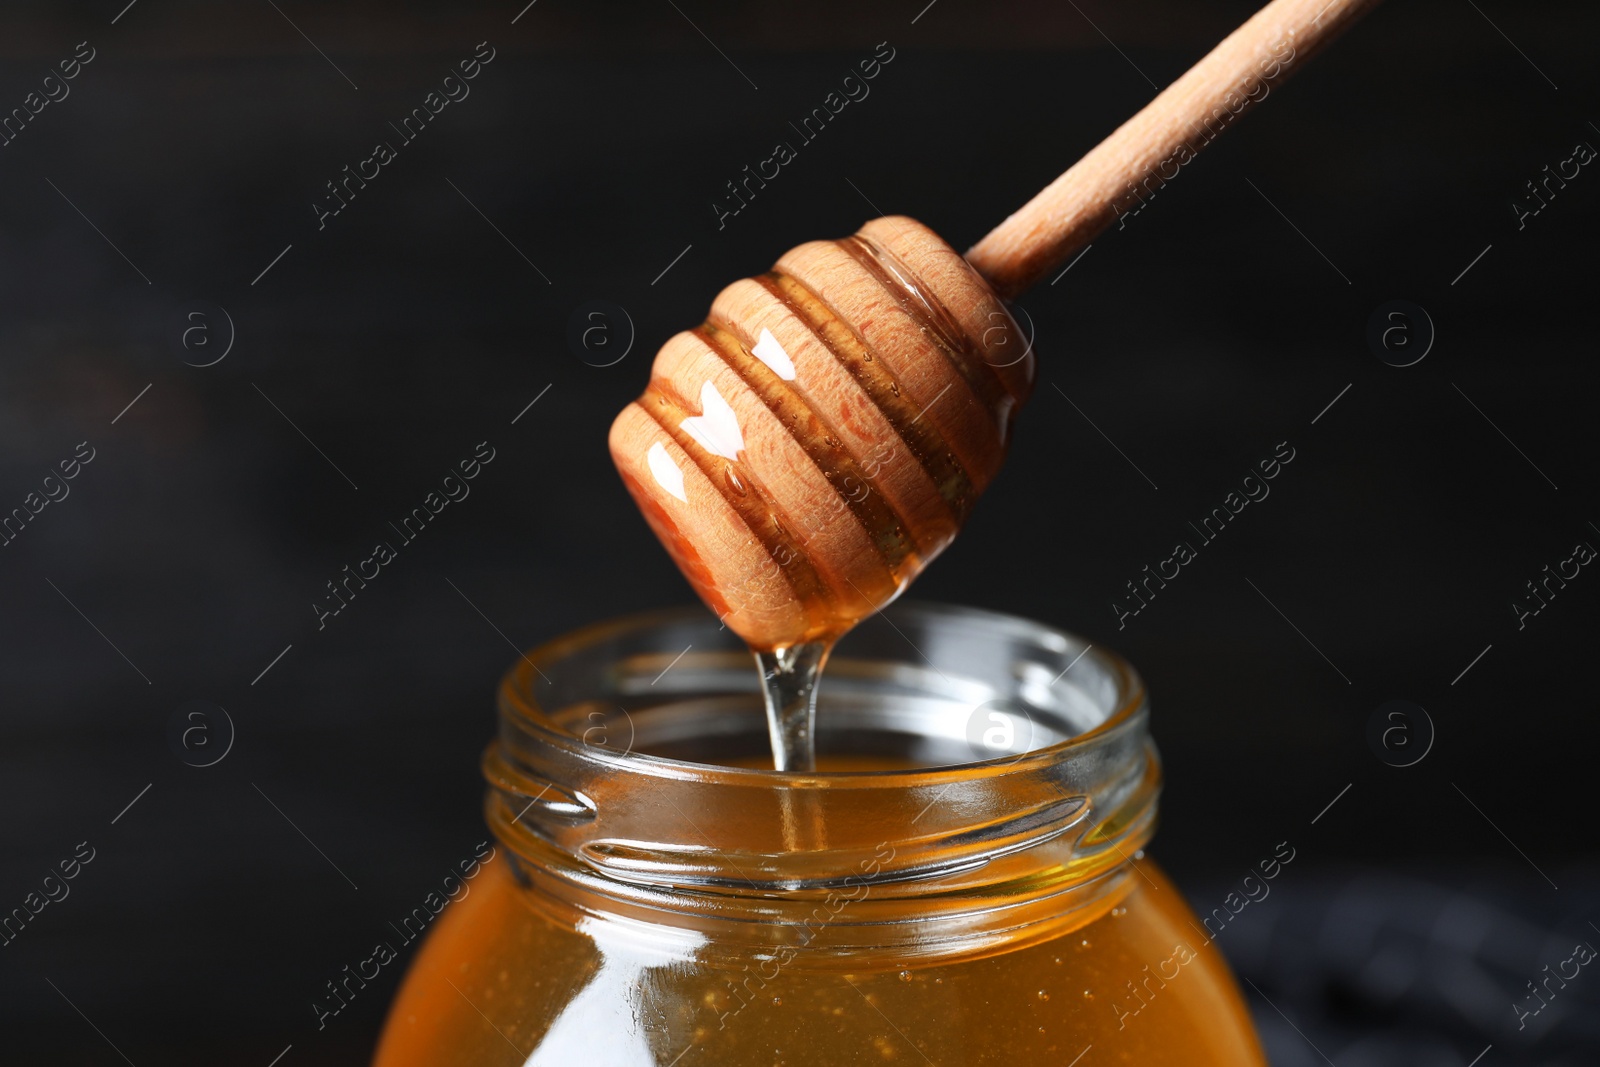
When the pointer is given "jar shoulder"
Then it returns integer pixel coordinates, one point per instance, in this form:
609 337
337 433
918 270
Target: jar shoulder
499 982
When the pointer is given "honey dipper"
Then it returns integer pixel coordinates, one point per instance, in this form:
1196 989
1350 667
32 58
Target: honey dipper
806 451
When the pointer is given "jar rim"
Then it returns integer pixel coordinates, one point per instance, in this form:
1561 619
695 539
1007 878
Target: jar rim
979 850
517 697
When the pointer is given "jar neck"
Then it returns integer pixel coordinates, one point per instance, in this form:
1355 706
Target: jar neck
604 821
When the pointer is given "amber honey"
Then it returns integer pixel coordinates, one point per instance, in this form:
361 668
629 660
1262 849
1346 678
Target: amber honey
663 898
1046 1003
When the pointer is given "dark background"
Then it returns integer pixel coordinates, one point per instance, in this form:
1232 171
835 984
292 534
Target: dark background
190 550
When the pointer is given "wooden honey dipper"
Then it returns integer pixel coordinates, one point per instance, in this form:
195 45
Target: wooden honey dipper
806 451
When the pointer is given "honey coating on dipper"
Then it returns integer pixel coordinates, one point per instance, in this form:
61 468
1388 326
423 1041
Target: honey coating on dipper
810 448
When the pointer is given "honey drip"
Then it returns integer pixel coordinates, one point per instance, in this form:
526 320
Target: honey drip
789 678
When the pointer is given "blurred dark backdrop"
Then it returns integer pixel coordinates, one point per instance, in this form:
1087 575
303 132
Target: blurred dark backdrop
424 318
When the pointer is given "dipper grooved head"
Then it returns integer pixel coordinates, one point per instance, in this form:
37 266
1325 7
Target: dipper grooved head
806 451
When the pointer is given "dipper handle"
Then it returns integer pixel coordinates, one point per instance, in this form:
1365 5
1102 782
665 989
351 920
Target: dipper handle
1145 152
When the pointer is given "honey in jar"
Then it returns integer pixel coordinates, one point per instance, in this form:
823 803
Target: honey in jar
960 880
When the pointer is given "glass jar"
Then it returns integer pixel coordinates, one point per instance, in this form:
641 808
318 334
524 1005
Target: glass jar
961 882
